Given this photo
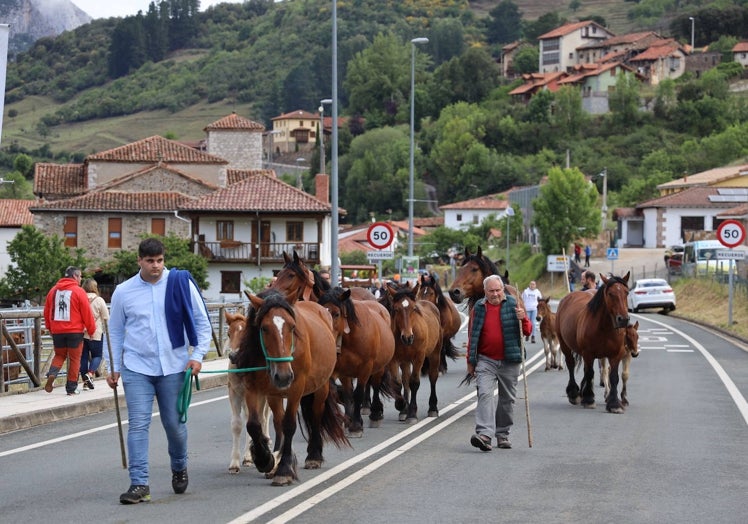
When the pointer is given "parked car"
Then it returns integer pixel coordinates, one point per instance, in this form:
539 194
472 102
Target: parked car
650 293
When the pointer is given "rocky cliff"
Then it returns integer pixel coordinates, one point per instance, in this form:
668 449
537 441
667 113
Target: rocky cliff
33 19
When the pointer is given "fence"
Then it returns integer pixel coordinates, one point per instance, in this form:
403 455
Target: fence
27 346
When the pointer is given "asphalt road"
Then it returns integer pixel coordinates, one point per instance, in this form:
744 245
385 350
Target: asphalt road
676 456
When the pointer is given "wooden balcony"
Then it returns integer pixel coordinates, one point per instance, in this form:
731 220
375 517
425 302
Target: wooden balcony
234 251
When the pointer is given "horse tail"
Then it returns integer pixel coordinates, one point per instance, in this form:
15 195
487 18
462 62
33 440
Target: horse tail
332 421
387 385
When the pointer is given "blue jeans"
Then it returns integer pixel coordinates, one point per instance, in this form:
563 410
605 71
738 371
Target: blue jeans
532 314
91 358
139 393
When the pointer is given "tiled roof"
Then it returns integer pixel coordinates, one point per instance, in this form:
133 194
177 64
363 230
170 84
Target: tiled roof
258 192
712 176
740 47
695 197
299 113
234 121
570 28
15 213
535 81
155 149
498 202
628 39
661 49
59 179
237 175
739 211
118 201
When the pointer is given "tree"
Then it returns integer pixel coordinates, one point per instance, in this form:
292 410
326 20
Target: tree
504 23
624 101
526 60
565 210
569 115
20 189
178 255
37 262
23 164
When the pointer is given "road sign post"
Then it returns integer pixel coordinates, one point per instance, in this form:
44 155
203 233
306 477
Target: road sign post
612 255
730 234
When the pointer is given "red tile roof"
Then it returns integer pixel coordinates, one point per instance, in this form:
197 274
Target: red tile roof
155 149
15 213
258 192
740 47
496 201
695 197
57 179
570 28
709 177
118 201
234 121
299 113
661 49
237 175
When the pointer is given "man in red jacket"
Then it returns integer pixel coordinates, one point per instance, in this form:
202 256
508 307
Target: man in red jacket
67 313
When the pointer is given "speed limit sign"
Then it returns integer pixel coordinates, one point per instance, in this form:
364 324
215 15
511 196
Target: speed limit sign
380 235
731 233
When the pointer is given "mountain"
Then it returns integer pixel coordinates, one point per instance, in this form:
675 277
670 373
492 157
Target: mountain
33 19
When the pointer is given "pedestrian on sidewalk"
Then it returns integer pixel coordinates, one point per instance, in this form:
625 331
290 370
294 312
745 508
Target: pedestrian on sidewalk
93 343
494 357
530 297
67 313
587 254
156 316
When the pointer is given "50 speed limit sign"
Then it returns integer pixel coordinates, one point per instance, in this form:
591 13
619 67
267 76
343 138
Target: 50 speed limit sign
731 233
380 235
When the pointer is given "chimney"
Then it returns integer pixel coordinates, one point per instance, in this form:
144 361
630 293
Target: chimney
322 187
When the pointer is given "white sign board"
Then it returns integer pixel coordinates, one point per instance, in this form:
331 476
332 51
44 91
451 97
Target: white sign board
379 255
557 263
725 254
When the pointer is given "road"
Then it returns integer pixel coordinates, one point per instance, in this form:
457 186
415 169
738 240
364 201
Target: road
676 456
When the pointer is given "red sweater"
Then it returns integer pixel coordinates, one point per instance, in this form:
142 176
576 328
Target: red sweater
67 309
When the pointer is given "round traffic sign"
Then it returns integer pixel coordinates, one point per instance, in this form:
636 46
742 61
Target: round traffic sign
380 235
731 233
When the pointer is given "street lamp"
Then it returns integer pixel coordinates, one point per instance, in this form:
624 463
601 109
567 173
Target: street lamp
299 182
604 174
509 215
413 42
693 21
322 132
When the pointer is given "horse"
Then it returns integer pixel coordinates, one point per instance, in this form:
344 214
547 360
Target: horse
367 346
237 325
298 282
416 327
593 326
296 347
631 342
449 316
548 336
468 283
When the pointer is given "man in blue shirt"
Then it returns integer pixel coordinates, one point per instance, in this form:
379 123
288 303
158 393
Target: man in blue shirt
155 317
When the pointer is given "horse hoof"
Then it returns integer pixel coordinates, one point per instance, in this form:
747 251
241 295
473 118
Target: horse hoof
247 462
285 480
411 420
616 410
365 411
375 423
355 434
312 464
402 417
589 406
234 470
433 413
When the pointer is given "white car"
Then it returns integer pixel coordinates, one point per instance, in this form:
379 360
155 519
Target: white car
651 293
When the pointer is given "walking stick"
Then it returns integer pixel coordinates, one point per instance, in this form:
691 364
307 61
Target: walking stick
524 381
116 400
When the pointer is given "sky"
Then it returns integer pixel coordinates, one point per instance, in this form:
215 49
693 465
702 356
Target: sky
122 8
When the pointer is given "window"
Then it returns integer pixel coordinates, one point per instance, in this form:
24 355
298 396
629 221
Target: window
459 217
231 281
114 237
70 231
158 226
224 230
294 231
476 220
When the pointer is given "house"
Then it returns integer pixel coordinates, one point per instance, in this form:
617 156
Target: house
740 53
621 46
559 47
295 131
534 82
595 81
468 213
506 59
662 60
14 214
237 215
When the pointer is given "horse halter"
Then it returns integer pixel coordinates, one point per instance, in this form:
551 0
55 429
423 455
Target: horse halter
277 359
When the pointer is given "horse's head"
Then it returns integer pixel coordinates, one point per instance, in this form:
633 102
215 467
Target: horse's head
430 290
237 326
631 339
404 304
613 295
544 308
296 281
468 283
342 310
275 322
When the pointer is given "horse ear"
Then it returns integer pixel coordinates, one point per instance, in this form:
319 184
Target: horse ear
626 278
345 295
636 325
255 300
416 289
295 257
286 258
467 252
479 253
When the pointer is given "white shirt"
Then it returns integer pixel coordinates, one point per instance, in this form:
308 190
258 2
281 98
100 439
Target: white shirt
530 297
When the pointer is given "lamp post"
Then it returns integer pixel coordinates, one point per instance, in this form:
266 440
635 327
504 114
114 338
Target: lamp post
299 181
322 132
604 174
693 21
509 215
335 263
413 42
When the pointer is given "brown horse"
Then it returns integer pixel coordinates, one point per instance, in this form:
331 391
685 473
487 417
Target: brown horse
415 324
593 326
468 283
631 343
237 325
547 319
449 316
298 282
296 347
367 346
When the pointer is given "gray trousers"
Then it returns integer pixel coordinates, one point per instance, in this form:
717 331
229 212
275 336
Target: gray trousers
494 418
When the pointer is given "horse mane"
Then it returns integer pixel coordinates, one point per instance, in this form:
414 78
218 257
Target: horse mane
598 299
334 296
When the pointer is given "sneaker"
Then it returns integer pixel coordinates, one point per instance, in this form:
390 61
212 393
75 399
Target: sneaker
87 382
503 443
179 481
76 392
136 494
49 386
481 442
532 342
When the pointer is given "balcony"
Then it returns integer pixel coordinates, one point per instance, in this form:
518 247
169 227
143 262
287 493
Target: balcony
235 251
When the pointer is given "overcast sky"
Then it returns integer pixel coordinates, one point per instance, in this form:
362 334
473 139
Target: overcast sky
122 8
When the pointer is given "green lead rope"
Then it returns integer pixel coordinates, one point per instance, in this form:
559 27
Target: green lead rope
185 395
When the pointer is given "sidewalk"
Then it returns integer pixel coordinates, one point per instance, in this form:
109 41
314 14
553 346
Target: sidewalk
38 407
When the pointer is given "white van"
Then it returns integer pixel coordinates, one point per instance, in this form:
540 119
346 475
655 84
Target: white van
700 258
